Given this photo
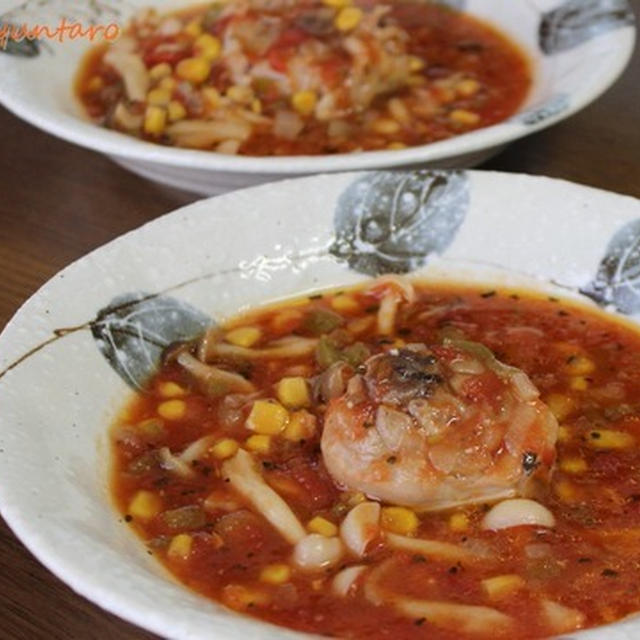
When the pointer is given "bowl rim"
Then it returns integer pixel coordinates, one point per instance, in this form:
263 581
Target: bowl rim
84 133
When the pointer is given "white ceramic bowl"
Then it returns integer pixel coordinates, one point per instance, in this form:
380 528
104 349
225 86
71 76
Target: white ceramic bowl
59 394
578 49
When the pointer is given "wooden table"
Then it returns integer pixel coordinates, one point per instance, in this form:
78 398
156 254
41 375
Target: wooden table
59 202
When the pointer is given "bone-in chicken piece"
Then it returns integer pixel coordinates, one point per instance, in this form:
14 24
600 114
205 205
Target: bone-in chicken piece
438 427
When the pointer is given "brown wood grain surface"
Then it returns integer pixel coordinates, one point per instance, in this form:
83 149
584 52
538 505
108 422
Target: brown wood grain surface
59 201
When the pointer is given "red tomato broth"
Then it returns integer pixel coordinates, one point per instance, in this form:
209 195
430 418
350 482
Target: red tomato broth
589 561
452 44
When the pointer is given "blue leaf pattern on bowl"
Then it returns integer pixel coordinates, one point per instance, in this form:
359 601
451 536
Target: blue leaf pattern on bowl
390 222
459 5
577 21
552 107
617 282
134 330
50 12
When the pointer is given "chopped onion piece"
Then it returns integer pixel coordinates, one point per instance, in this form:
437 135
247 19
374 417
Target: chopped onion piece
287 125
174 464
133 71
435 548
315 552
344 581
523 385
561 619
360 527
230 147
221 500
127 120
171 26
200 134
518 512
242 474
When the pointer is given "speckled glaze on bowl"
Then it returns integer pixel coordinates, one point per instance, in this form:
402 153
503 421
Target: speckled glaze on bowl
72 353
578 49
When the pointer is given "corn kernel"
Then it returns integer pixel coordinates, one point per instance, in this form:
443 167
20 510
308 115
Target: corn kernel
286 320
345 304
361 325
399 111
180 547
416 80
95 84
293 393
565 491
151 428
416 64
322 526
353 499
579 366
395 146
211 96
258 443
501 586
195 70
171 390
159 97
176 111
275 574
172 409
609 439
145 505
240 94
573 465
348 18
399 520
194 28
464 117
458 522
301 426
385 126
207 46
243 336
256 105
579 383
225 448
267 417
560 405
168 83
239 597
304 102
564 435
468 87
160 71
337 3
155 120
